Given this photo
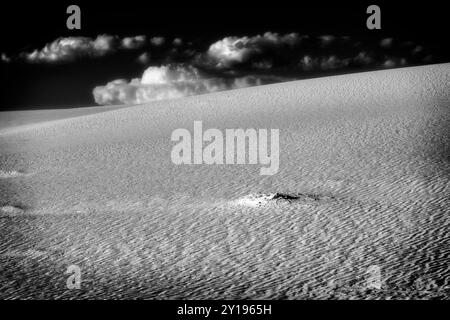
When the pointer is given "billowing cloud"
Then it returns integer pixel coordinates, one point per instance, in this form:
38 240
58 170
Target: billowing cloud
69 48
234 50
170 82
260 53
180 67
305 53
237 62
116 92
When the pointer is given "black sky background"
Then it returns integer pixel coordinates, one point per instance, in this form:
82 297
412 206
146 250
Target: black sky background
26 26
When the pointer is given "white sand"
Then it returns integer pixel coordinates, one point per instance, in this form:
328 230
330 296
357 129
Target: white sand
367 153
24 118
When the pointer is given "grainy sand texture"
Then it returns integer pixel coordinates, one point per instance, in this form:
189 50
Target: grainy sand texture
363 184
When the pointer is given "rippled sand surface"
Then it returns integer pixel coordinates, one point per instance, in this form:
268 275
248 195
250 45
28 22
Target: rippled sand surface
364 183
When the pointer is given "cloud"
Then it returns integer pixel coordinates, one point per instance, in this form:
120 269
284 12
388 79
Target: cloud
115 92
5 58
237 62
144 58
179 67
417 50
70 48
67 49
394 62
234 50
135 42
265 53
170 82
332 62
363 59
326 40
386 43
177 42
157 41
303 53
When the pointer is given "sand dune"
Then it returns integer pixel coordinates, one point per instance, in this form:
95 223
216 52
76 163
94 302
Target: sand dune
26 118
364 177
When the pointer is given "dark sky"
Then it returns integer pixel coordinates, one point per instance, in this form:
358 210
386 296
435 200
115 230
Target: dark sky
25 27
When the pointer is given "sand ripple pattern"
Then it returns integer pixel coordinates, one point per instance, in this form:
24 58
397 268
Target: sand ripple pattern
364 184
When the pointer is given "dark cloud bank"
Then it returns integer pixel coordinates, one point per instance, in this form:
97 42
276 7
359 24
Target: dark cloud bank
174 68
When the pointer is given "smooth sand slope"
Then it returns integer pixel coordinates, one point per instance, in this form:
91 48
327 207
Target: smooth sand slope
364 156
28 118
